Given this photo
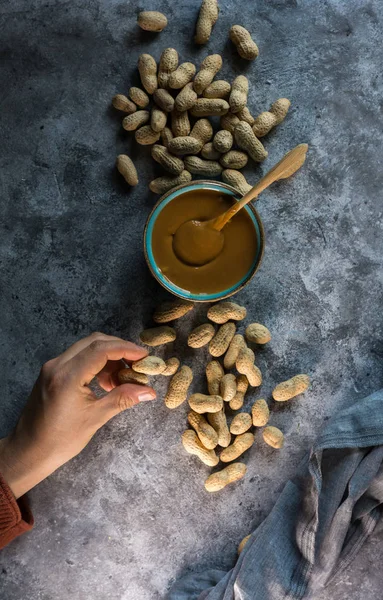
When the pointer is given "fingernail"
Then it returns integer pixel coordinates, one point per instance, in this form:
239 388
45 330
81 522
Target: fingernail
146 396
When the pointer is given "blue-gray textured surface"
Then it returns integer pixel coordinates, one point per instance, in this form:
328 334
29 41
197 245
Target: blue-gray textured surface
130 514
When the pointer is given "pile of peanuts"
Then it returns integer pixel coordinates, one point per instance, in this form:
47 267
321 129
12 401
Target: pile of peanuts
207 417
180 93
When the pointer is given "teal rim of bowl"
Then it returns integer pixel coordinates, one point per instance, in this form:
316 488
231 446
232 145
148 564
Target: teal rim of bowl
175 289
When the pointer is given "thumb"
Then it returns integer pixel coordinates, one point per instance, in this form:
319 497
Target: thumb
125 396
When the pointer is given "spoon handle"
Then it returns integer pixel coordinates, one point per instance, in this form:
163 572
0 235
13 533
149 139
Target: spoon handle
287 166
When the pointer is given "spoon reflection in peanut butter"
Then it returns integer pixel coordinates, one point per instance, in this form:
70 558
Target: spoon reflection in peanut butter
197 243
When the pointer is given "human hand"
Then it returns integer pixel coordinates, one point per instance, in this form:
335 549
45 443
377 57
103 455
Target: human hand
62 413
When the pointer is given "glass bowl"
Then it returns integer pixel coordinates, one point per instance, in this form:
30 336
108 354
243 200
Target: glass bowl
169 285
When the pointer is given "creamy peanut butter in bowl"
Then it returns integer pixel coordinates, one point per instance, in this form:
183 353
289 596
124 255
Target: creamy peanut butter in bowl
230 270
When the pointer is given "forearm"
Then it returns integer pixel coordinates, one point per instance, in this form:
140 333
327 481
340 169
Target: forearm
22 468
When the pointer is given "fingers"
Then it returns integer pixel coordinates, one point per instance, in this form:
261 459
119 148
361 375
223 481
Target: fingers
91 360
84 343
123 397
107 378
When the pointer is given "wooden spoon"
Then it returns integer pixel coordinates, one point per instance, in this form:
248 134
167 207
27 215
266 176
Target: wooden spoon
197 243
287 166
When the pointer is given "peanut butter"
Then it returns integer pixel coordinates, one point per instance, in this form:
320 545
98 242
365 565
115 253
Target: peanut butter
197 243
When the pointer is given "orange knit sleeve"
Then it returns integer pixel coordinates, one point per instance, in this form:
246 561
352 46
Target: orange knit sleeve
15 515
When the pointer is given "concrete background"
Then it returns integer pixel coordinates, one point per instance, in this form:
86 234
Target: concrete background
130 514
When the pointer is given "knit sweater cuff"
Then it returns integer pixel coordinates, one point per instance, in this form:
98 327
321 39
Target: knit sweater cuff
15 515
